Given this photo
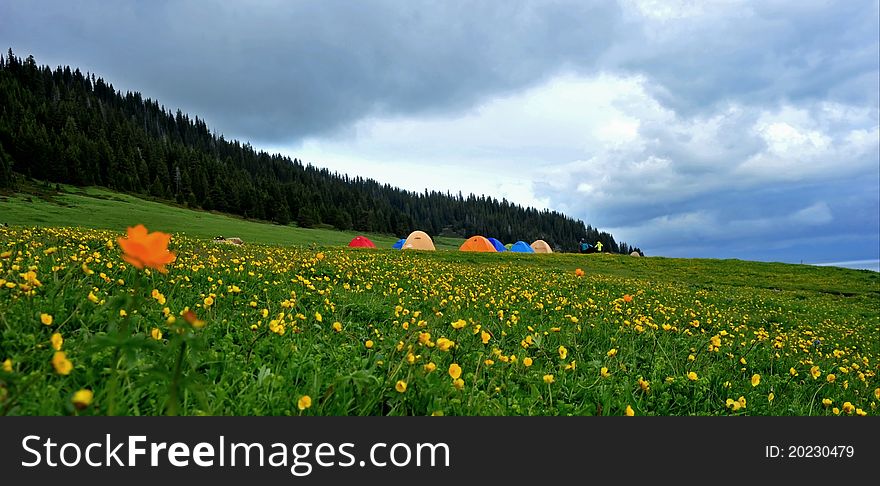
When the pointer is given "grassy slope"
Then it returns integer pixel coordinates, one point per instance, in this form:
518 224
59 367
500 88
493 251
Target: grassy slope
103 209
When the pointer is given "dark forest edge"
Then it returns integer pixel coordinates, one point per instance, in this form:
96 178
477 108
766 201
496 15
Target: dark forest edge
63 126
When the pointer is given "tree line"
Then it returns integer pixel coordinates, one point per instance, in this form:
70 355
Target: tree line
64 126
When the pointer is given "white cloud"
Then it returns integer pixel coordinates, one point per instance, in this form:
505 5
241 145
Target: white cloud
604 149
673 10
817 214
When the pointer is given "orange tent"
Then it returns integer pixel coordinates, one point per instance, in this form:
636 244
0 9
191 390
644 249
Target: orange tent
362 242
418 240
478 243
541 246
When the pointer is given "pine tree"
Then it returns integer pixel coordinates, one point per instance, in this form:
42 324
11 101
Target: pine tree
6 179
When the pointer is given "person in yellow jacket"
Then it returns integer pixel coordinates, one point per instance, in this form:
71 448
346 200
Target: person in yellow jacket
599 245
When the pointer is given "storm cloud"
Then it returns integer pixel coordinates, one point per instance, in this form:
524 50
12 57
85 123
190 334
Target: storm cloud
272 71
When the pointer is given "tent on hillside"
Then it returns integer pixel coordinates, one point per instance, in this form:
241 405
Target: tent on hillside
497 244
635 253
361 242
399 244
477 243
541 246
418 240
521 247
509 245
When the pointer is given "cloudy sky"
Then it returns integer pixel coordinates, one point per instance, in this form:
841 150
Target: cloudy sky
690 128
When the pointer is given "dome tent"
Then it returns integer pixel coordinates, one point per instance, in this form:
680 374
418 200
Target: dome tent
361 242
635 253
521 247
418 240
497 244
399 244
541 246
477 243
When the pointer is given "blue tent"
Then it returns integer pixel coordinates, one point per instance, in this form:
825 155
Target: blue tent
521 247
497 244
399 244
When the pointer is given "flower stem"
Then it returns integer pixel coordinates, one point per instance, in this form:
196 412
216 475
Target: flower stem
173 394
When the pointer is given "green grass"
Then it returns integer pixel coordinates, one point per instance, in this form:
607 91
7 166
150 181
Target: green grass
779 338
94 207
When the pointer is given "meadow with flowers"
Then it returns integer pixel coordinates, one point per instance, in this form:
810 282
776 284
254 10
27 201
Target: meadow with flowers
139 322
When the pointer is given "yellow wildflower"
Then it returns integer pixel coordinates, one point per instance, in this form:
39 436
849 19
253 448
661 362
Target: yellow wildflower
57 341
304 402
82 399
62 365
454 371
444 344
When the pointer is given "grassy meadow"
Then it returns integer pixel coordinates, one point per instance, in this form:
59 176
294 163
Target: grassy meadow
282 327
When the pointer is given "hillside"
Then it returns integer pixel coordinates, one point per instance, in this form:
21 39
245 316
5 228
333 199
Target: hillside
68 127
98 208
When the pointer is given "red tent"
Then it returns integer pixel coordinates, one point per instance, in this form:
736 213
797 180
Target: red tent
361 242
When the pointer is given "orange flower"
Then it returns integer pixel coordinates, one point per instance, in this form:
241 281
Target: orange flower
193 319
579 273
143 249
627 298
